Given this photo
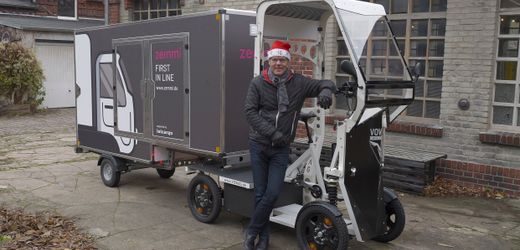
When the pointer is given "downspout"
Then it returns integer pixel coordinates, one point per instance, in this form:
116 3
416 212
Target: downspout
106 12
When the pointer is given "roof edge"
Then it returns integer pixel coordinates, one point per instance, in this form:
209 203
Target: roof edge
21 6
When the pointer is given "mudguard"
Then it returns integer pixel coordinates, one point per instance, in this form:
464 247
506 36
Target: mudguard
121 166
389 195
325 205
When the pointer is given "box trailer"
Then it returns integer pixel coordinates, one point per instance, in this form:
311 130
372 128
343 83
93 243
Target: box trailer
177 85
170 92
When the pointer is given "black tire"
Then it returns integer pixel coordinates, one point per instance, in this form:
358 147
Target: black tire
204 198
110 173
320 225
395 220
165 174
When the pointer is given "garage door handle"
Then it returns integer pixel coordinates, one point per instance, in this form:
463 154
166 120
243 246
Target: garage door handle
78 90
109 107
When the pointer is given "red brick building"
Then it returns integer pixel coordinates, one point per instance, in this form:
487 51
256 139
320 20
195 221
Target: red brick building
47 26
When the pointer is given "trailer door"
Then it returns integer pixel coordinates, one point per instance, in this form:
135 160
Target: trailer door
129 100
170 95
153 99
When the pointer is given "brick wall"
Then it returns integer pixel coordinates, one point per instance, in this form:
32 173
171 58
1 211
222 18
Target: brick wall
471 144
113 14
86 8
302 65
47 8
468 72
90 8
478 175
466 136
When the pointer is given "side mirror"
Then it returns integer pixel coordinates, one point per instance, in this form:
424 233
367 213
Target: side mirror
348 67
416 72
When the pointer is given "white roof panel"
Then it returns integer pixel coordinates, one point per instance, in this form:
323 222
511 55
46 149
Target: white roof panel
360 7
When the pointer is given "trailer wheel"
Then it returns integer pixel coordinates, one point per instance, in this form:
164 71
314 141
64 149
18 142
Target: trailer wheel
204 198
395 220
165 174
320 225
110 173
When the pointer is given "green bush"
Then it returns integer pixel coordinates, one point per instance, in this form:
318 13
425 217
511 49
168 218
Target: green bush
21 75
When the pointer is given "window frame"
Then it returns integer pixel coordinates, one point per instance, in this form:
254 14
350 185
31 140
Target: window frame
75 17
515 121
149 10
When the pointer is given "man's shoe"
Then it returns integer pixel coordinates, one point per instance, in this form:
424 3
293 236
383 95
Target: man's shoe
249 242
263 242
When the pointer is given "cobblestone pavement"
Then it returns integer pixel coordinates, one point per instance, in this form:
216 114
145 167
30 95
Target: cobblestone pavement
33 140
40 171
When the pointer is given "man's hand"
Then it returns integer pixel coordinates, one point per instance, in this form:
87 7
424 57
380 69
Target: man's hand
278 139
325 98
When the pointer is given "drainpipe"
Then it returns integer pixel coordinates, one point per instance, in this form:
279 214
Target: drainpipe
106 12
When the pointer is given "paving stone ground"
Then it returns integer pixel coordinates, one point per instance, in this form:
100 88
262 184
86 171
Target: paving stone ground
40 171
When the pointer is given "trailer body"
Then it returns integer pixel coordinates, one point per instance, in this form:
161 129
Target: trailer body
180 83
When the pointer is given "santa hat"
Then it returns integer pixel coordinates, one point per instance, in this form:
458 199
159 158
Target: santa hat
279 48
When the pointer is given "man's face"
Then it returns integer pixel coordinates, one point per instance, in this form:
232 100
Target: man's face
279 65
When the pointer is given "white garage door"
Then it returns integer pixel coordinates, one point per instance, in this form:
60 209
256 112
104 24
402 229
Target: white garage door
58 66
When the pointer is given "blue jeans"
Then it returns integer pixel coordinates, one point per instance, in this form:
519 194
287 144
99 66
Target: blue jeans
269 165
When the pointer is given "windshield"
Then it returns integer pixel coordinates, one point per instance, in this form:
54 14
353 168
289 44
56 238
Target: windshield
357 29
369 42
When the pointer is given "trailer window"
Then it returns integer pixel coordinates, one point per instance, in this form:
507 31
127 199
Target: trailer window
121 97
105 80
106 77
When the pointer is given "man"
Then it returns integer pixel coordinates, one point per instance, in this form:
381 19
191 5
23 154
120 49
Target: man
273 103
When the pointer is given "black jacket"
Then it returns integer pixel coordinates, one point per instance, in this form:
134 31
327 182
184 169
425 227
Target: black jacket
261 107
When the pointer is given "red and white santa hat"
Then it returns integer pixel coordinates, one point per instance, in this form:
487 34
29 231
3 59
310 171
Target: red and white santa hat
279 48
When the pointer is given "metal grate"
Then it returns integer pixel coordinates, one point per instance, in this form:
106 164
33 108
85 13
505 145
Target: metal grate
295 11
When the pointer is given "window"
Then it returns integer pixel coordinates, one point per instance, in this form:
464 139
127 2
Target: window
420 6
149 9
67 8
106 76
509 4
506 91
121 93
439 5
399 27
429 6
399 6
420 27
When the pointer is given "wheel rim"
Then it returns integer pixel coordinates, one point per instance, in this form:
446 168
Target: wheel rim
390 219
107 172
320 232
202 199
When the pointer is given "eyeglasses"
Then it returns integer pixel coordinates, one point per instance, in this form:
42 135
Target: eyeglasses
279 60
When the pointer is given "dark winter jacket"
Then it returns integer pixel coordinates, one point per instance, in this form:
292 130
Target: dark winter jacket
261 107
